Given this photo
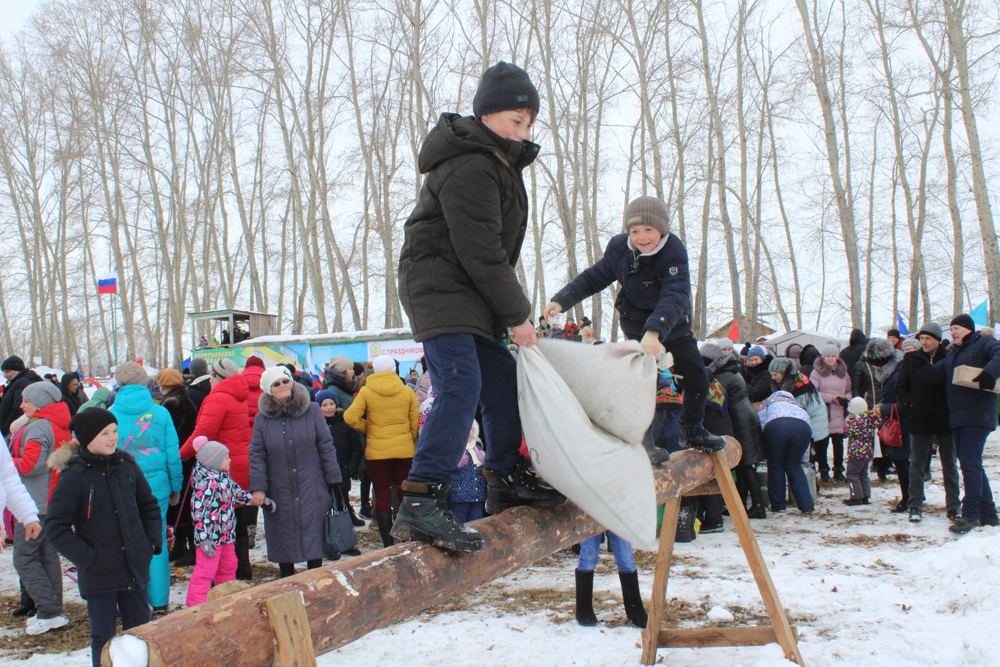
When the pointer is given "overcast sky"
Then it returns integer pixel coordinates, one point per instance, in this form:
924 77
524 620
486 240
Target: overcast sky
14 13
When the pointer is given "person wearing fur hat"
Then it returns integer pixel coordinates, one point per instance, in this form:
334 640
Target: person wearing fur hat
972 415
350 445
293 461
214 496
387 413
35 560
225 417
833 382
654 303
18 377
148 434
104 518
879 361
899 457
923 409
340 377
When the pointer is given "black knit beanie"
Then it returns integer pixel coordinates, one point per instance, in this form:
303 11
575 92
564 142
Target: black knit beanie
87 424
965 321
12 363
504 87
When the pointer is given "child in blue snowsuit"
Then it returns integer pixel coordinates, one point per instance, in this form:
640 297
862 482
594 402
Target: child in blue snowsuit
654 303
148 434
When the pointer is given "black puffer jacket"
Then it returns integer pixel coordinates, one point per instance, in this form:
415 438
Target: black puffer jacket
655 292
350 445
923 406
852 353
10 404
462 241
759 380
103 518
746 423
198 392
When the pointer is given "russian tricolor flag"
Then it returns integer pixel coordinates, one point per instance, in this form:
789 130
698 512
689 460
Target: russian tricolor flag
107 283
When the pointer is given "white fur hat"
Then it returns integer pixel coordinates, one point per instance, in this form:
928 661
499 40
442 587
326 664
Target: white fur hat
272 375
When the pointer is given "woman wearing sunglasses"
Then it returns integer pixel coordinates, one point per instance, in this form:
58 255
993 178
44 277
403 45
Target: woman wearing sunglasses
292 461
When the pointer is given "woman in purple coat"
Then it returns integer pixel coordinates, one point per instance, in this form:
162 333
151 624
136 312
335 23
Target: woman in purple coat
292 461
833 382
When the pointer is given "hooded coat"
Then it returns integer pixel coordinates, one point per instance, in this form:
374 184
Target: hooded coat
338 383
47 431
808 358
224 417
252 375
101 398
104 519
746 423
199 390
393 417
146 431
293 460
71 399
463 239
10 403
830 382
852 353
967 406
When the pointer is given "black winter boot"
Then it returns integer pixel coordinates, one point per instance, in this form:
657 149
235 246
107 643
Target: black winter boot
384 526
354 517
657 455
424 516
698 438
585 599
521 486
748 476
633 599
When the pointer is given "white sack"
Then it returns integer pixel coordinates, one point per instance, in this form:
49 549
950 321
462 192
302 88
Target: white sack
609 479
615 383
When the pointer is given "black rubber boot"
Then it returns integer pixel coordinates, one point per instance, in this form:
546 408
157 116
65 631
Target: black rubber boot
698 438
354 517
585 599
384 526
521 486
633 599
424 516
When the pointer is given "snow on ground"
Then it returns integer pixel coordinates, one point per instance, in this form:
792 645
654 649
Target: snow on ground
863 586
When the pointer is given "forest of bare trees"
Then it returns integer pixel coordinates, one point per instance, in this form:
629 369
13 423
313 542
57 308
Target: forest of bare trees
819 158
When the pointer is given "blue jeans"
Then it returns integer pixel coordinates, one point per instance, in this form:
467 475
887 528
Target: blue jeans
978 500
589 550
787 440
466 371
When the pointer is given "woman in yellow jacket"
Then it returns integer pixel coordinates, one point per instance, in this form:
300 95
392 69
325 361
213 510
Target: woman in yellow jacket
391 427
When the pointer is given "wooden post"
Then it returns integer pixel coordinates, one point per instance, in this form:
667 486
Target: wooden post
293 646
665 554
352 597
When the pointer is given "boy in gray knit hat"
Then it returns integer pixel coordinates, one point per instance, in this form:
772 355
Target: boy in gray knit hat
654 303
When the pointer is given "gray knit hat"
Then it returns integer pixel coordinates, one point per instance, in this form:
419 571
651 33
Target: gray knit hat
830 348
648 211
910 342
41 394
783 365
210 453
131 373
199 367
225 368
931 329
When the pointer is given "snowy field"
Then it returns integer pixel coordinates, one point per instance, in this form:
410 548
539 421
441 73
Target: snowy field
863 586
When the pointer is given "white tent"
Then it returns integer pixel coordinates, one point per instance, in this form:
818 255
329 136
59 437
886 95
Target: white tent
802 337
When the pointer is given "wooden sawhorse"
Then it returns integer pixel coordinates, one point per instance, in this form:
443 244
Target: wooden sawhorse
780 631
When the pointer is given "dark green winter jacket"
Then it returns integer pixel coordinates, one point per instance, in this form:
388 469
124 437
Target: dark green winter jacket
462 241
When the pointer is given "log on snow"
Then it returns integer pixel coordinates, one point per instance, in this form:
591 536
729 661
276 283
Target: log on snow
352 597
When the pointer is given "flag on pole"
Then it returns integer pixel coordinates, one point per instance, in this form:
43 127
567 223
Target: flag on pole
832 325
734 333
107 283
901 325
981 315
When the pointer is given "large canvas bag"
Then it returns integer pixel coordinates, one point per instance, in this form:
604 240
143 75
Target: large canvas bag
615 383
610 479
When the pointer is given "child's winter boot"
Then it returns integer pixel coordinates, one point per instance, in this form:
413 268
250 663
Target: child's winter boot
424 516
633 599
585 599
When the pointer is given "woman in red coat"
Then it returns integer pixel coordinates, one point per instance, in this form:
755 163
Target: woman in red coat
252 372
224 417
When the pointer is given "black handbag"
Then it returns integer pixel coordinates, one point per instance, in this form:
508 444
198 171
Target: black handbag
338 528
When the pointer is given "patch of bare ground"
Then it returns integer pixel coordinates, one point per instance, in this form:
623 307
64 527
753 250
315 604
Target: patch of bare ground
16 643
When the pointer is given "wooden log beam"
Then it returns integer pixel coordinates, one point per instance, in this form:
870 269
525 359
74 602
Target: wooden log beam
706 637
352 597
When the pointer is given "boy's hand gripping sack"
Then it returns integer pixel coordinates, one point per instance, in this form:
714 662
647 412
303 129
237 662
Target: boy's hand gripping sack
608 477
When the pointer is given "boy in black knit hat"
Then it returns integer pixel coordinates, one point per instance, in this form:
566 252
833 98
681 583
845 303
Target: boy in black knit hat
104 518
654 305
461 294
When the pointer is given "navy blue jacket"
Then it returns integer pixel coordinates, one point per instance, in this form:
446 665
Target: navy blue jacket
655 292
966 406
